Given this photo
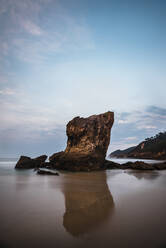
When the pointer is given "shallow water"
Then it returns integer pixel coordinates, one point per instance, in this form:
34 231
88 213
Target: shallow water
113 208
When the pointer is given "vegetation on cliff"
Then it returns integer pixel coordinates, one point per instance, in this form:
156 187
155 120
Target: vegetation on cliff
151 148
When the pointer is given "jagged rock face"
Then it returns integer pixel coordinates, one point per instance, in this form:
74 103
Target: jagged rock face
89 135
88 141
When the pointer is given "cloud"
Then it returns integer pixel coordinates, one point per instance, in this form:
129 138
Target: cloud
4 48
151 117
147 127
157 111
18 112
131 138
23 122
3 78
136 126
34 31
32 28
28 128
122 121
7 91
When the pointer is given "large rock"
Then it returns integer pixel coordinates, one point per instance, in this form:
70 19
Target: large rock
29 163
88 140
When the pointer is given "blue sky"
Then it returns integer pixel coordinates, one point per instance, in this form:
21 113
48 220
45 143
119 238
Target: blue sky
61 59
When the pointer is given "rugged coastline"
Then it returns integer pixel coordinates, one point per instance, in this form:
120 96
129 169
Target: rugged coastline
87 144
150 148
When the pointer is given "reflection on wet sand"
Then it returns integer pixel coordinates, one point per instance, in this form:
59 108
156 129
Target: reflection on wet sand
22 181
151 175
88 202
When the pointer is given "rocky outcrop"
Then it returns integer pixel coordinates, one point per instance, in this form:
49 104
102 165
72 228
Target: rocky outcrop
47 172
138 165
29 163
150 148
87 144
121 153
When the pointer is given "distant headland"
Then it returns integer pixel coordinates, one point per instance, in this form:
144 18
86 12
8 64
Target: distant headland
150 148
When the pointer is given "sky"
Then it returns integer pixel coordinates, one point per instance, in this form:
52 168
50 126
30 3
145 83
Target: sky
60 59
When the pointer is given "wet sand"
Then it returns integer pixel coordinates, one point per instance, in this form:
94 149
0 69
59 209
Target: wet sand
99 209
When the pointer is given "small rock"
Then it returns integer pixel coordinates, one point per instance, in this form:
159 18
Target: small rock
47 172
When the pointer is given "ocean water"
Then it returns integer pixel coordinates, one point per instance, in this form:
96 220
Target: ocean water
112 208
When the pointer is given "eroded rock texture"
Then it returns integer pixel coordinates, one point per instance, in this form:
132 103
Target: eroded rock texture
88 140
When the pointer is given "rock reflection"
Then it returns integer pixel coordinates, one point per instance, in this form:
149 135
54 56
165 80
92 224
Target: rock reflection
88 202
22 180
151 175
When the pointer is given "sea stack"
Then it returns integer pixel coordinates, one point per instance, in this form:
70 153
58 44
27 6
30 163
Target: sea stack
87 144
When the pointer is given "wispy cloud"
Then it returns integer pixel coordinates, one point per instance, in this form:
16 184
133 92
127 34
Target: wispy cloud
18 111
149 118
7 91
157 111
123 121
29 33
146 127
32 28
131 138
21 119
